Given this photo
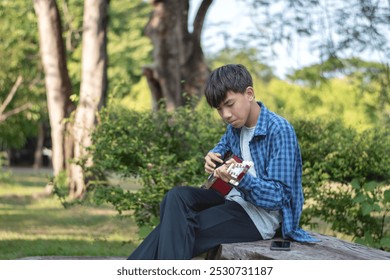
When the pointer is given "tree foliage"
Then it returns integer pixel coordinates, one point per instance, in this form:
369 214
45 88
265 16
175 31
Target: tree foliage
337 31
128 47
19 58
250 57
368 84
334 27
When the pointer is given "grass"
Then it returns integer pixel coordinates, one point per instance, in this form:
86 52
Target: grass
42 227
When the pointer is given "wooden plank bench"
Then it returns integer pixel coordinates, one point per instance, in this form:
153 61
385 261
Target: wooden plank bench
330 248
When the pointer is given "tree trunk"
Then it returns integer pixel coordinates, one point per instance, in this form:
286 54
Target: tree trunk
58 85
39 147
92 89
179 71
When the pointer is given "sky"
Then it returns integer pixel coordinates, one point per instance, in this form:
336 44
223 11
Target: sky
233 17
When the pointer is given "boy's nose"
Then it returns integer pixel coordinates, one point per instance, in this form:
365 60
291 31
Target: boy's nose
226 115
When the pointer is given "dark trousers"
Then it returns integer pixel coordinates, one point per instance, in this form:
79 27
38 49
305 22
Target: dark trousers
193 221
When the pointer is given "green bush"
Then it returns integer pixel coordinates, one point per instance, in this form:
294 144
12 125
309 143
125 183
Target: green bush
162 149
341 154
346 178
346 173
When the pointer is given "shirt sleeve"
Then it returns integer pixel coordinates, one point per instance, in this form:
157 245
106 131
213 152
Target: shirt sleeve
271 189
223 145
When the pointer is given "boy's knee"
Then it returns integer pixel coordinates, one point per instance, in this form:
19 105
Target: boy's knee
175 195
178 193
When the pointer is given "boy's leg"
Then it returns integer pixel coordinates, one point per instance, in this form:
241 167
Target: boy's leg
174 237
225 223
178 220
147 250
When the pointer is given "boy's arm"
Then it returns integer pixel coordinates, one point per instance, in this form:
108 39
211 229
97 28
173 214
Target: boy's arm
273 189
223 146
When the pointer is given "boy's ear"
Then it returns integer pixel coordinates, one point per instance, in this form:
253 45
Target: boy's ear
250 92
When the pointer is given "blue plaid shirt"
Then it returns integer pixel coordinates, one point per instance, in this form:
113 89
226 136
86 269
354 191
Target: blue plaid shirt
277 160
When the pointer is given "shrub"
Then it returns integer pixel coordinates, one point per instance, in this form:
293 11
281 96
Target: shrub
162 149
346 173
346 178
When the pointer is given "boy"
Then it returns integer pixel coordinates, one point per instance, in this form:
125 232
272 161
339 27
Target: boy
268 197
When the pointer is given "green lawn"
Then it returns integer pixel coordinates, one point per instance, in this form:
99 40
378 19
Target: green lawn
42 227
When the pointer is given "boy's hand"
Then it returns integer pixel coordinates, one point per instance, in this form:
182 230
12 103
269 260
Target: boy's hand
222 171
211 161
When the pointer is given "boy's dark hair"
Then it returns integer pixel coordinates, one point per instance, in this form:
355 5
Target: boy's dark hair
230 77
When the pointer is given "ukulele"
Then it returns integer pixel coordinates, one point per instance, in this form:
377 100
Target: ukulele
236 170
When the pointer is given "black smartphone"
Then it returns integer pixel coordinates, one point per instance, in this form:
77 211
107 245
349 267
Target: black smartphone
281 245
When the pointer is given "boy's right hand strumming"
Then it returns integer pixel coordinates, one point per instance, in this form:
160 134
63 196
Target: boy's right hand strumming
212 160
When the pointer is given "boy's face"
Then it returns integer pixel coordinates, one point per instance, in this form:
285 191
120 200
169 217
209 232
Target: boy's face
236 108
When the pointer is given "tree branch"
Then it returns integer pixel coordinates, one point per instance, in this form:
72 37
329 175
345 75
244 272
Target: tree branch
200 17
15 111
11 94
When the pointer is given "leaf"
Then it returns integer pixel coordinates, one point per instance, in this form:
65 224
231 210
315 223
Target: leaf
359 198
377 208
366 209
386 196
366 239
355 184
370 186
385 242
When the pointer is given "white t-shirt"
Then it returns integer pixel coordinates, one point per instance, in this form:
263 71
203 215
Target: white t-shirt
266 222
